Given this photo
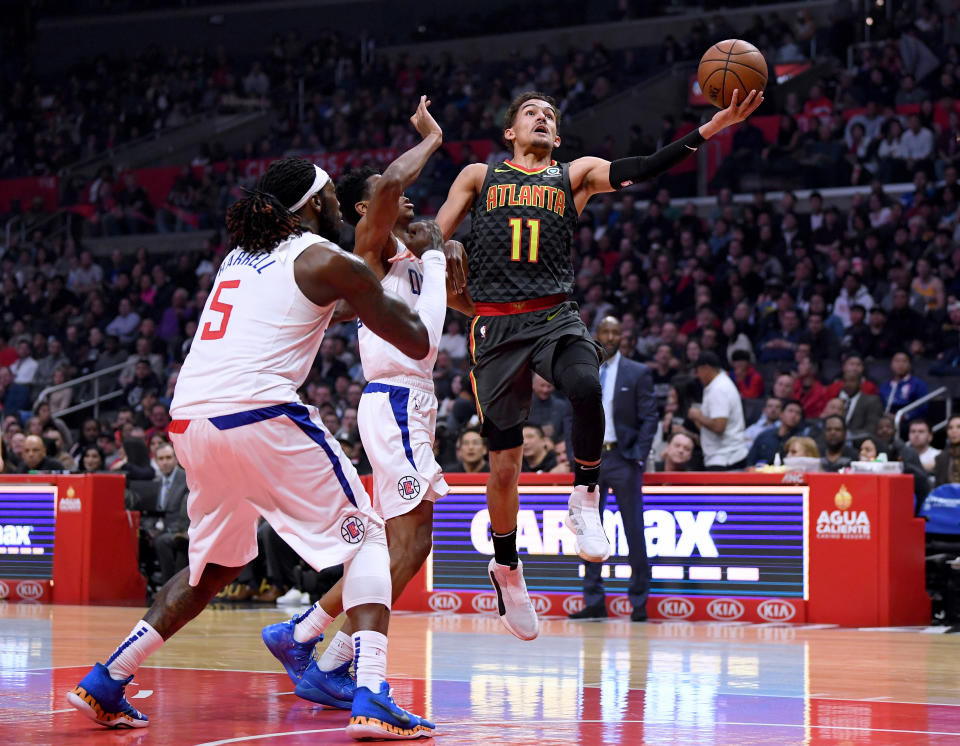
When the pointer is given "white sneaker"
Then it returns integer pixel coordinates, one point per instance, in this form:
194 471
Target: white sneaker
293 597
514 605
583 519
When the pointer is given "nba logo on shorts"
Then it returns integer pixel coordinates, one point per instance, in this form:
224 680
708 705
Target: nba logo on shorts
352 530
408 487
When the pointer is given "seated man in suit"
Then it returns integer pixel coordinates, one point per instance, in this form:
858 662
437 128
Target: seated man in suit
170 539
861 410
630 413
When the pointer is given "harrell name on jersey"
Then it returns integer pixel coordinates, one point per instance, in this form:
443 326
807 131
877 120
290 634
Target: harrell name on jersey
522 224
257 337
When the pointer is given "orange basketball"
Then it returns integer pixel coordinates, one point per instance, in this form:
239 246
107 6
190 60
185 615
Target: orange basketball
728 65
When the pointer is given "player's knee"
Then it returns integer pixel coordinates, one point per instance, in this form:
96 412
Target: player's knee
366 577
581 384
504 473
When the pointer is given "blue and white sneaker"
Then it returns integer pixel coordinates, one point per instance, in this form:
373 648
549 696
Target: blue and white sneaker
332 688
101 699
295 656
378 716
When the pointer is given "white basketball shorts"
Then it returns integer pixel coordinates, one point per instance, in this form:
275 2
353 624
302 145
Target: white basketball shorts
278 462
397 419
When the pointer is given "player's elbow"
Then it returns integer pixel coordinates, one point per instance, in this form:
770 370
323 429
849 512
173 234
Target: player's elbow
418 347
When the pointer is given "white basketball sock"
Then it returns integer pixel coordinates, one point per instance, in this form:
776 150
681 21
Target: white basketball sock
339 651
311 624
140 643
371 653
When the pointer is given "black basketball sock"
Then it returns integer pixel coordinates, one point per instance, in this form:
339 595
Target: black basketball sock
505 548
586 475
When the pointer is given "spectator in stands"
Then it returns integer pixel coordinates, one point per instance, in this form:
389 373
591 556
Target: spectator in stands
808 390
134 459
879 343
538 455
91 461
678 454
453 341
916 145
861 410
60 400
546 409
769 417
824 344
54 442
852 293
906 327
851 364
170 541
125 324
50 362
471 453
720 418
946 468
780 344
771 441
144 380
34 457
903 388
837 454
801 446
920 439
868 450
748 379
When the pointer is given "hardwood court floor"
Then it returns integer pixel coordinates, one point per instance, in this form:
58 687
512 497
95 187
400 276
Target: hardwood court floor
608 682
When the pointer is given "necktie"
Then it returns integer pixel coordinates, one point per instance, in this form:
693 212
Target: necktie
164 486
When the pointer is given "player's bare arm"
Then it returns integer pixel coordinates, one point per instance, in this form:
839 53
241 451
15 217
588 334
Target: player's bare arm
458 301
326 274
374 242
590 175
463 192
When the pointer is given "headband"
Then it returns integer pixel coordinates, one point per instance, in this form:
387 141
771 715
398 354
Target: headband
319 182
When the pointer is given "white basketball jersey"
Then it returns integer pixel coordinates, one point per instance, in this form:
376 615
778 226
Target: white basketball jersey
257 337
379 358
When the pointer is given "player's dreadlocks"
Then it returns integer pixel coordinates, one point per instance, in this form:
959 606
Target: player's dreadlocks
258 223
352 187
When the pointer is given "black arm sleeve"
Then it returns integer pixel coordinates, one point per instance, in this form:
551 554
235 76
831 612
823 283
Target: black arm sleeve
627 171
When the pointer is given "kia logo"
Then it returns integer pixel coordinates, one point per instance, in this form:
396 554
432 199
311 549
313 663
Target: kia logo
775 610
572 604
621 606
446 602
4 590
541 604
725 609
484 603
675 608
29 589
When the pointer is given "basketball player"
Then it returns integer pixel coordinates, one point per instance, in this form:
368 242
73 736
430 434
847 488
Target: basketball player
250 448
523 214
398 410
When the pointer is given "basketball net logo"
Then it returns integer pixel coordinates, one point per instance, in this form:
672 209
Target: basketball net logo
352 530
409 488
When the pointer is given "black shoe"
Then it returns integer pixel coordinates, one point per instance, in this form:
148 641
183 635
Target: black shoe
597 611
639 614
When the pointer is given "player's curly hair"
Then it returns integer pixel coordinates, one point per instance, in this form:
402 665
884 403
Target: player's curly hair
353 187
259 222
511 114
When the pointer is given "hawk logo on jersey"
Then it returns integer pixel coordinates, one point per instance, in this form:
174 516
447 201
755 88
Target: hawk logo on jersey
352 530
409 488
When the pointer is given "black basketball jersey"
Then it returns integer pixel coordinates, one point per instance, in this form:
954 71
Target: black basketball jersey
522 224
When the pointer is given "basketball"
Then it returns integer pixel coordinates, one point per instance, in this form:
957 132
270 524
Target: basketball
728 65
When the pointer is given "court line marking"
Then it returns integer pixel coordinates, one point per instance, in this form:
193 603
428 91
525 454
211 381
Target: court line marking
57 712
514 723
592 685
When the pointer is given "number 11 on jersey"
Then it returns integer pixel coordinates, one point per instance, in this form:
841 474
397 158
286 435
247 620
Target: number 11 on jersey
516 224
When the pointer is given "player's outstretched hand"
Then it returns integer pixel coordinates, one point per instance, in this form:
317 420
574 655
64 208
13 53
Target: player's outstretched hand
423 236
424 122
737 112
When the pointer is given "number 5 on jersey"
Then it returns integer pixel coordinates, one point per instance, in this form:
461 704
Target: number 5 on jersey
220 307
516 224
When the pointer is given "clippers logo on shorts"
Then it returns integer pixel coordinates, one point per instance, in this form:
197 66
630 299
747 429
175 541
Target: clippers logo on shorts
409 488
352 530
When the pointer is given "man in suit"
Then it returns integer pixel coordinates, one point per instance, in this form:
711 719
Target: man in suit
630 412
860 410
170 541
